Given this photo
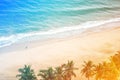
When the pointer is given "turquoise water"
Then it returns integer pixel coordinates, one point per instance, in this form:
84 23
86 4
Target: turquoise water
23 20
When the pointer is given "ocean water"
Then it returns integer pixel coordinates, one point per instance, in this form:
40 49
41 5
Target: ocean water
25 20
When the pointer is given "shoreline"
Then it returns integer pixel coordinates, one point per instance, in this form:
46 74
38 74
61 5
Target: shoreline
60 33
30 44
95 46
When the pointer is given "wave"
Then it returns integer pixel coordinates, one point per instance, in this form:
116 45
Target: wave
53 33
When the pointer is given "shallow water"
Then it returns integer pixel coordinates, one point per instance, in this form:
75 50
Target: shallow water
42 19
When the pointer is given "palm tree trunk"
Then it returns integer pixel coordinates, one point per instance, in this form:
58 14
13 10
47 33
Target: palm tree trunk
88 78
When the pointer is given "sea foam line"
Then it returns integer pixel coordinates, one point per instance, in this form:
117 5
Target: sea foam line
6 41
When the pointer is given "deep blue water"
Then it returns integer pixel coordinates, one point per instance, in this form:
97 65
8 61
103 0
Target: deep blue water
36 19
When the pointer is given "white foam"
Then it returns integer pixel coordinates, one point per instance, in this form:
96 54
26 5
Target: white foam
6 41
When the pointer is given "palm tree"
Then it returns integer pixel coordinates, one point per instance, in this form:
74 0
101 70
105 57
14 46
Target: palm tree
59 73
87 69
115 65
26 73
116 60
47 74
69 70
111 73
99 71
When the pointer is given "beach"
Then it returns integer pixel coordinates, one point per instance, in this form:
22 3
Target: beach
49 33
95 46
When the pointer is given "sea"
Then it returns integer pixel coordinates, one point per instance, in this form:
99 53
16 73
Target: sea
30 20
